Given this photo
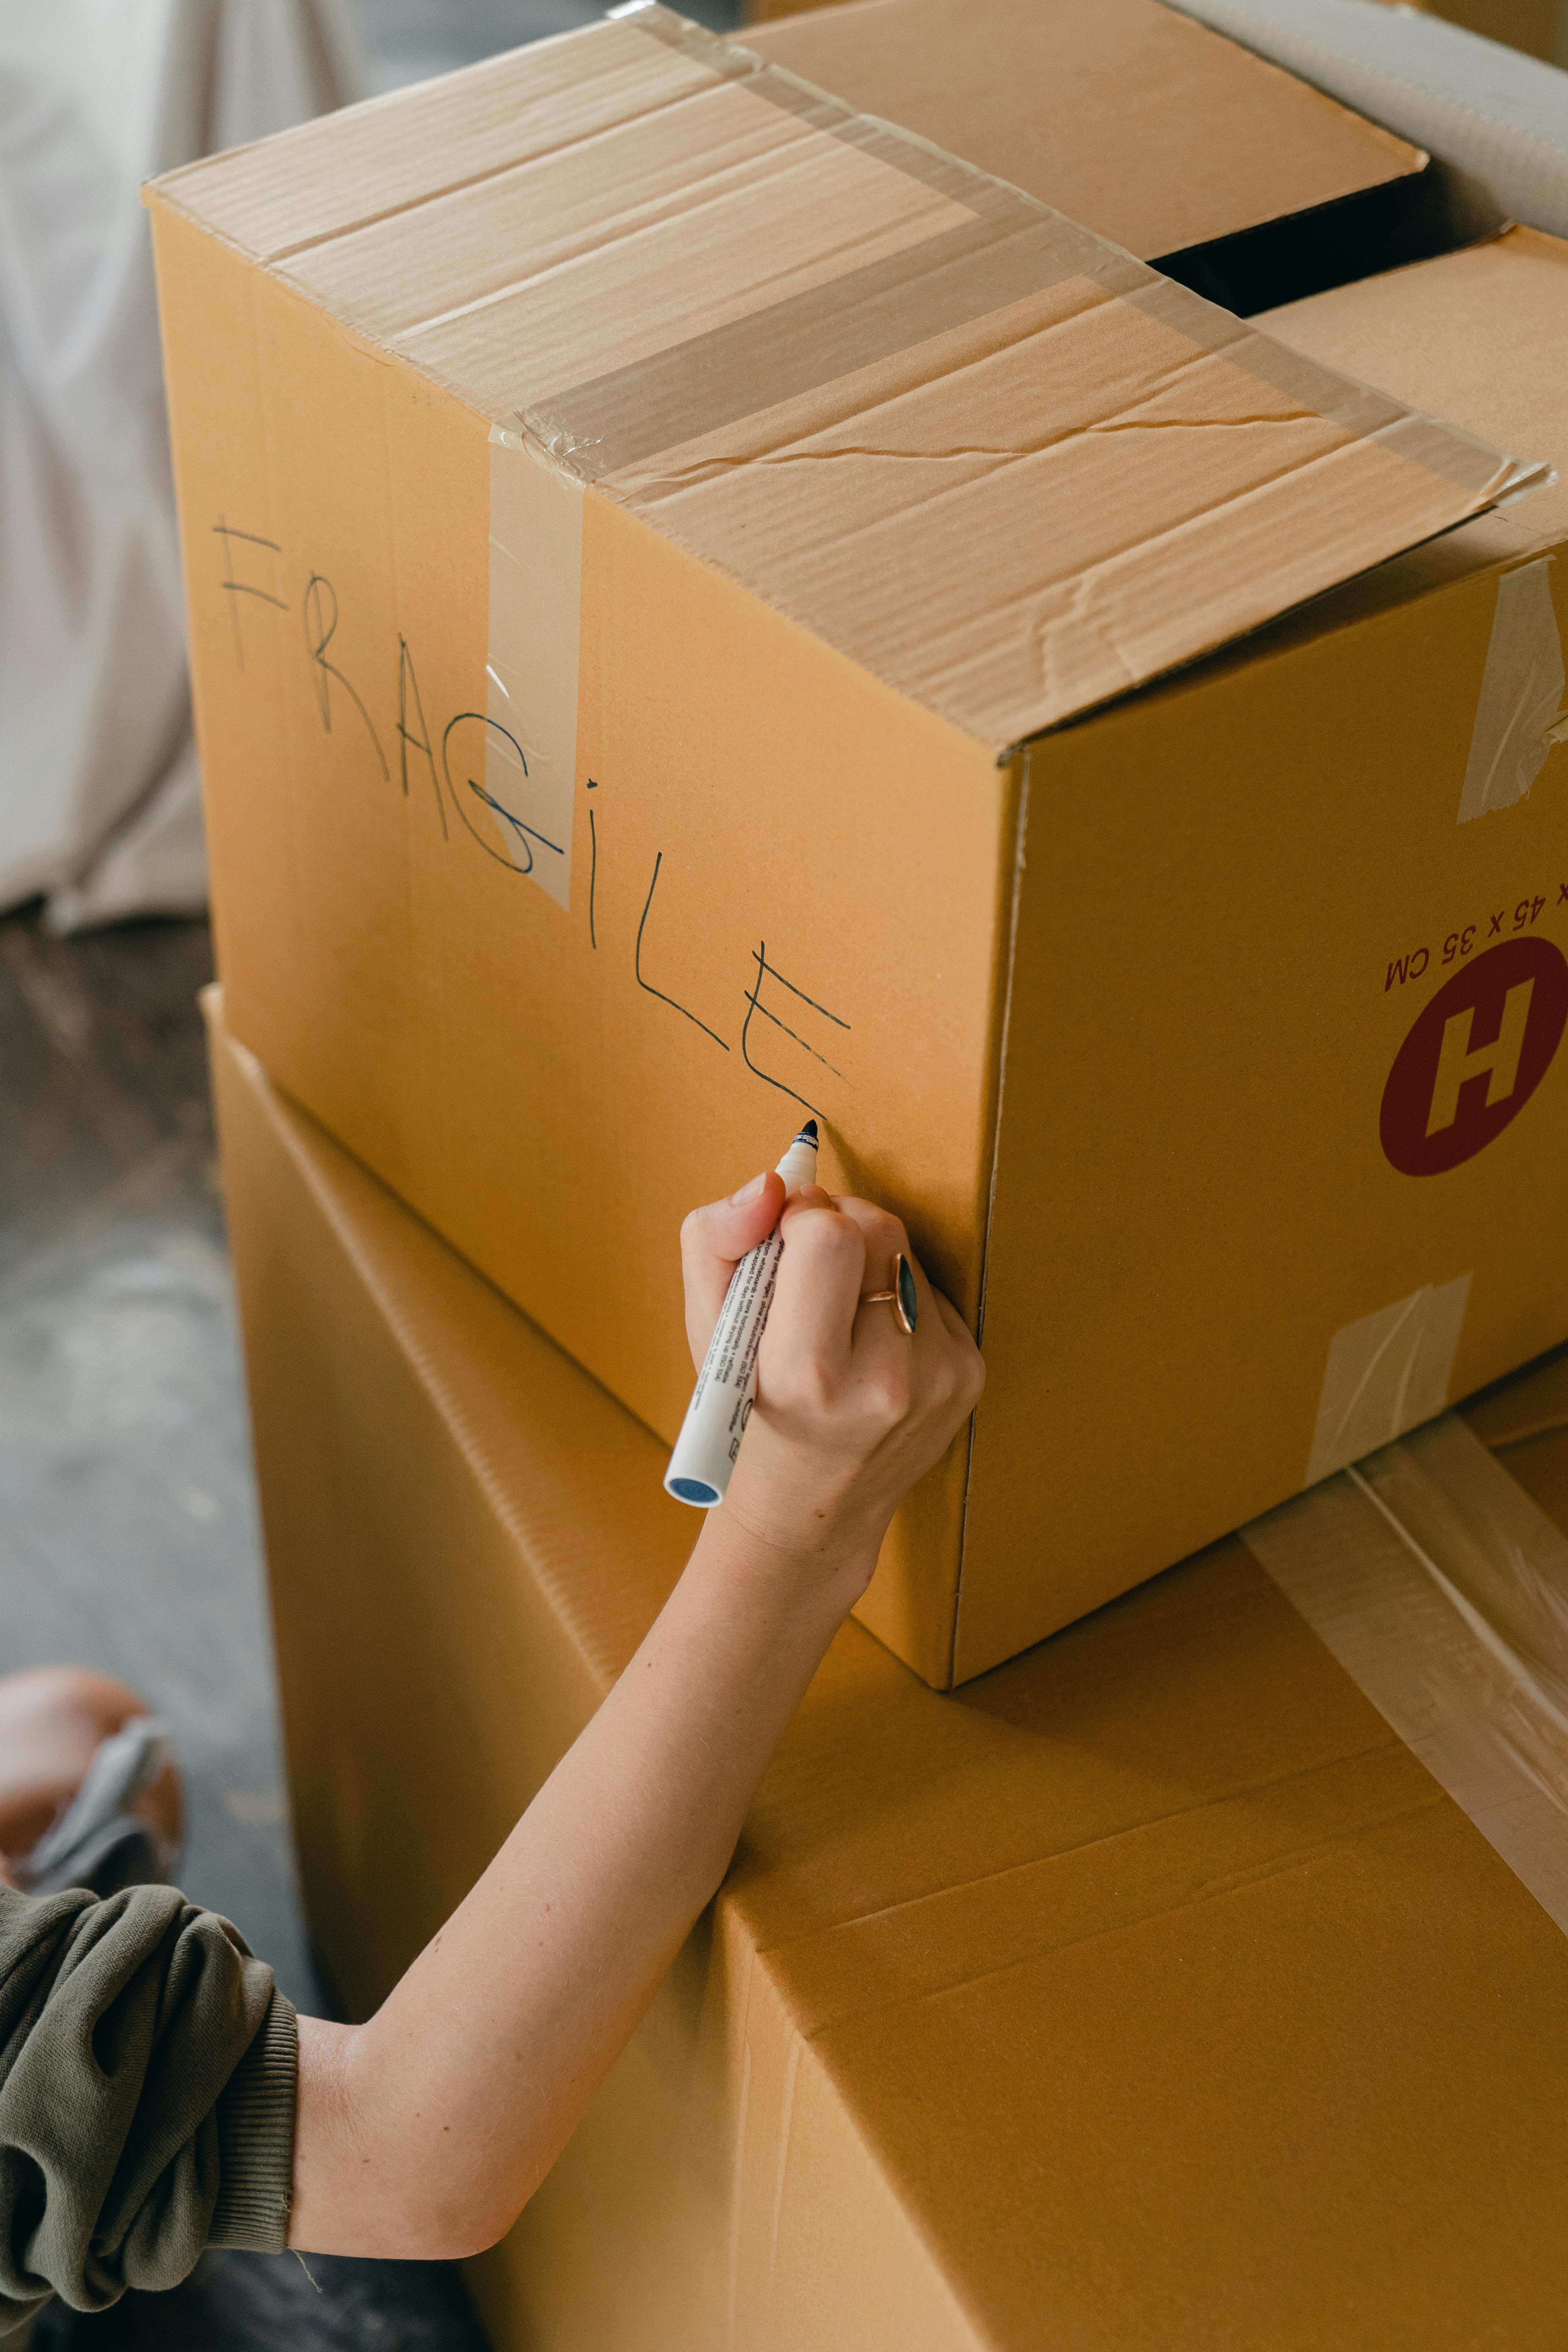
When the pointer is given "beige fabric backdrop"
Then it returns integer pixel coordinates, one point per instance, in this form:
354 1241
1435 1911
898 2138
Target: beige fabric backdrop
99 808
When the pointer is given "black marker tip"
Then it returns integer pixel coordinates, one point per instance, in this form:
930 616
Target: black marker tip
808 1132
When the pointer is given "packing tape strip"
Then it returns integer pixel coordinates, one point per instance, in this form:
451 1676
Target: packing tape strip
1385 1373
1442 1590
524 813
1015 247
1518 712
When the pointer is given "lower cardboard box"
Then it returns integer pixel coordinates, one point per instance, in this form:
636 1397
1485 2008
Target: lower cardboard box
1150 1991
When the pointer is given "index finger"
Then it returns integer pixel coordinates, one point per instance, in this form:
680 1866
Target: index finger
713 1240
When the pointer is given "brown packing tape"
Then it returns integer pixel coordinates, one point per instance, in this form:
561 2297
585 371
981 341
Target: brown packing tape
1016 248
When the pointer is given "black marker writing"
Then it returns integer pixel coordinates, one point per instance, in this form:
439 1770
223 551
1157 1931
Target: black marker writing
321 626
648 984
221 530
523 836
754 1005
407 690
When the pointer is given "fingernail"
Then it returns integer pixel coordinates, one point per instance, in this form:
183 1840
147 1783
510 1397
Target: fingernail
748 1191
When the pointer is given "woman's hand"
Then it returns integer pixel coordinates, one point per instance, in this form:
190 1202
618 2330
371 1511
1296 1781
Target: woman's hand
850 1410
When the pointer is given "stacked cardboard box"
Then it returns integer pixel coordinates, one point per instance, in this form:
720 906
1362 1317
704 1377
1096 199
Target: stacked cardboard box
1539 27
696 600
1148 1993
725 580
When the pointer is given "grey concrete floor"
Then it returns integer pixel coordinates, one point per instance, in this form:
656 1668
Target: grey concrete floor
128 1523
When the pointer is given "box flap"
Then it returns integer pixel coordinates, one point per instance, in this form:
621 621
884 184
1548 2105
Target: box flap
1480 336
1474 103
1122 113
994 459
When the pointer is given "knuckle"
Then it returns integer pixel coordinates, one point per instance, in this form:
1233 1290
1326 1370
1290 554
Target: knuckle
877 1226
889 1395
887 1230
829 1231
832 1244
802 1387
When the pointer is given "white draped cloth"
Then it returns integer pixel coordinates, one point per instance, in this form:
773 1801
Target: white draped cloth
99 809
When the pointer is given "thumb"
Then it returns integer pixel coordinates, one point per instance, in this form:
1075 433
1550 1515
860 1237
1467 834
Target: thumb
713 1240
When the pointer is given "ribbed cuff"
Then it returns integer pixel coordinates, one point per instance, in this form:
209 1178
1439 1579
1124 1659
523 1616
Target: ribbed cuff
256 2138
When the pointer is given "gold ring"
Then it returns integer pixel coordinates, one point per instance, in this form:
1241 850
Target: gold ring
903 1297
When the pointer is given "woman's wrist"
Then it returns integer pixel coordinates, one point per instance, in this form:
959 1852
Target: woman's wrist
826 1568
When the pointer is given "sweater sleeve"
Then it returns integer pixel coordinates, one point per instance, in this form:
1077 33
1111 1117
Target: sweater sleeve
148 2070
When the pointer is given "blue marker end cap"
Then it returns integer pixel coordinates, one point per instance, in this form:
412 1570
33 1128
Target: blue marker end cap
693 1490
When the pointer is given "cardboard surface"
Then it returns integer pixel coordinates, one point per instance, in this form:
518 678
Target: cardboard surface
560 951
1146 1993
1478 334
1125 115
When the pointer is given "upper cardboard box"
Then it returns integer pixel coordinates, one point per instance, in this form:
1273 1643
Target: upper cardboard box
629 502
986 455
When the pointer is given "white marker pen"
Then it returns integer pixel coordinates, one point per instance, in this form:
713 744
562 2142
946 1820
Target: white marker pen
721 1403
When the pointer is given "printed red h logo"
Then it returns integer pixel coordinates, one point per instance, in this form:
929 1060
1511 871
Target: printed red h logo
1474 1056
1458 1063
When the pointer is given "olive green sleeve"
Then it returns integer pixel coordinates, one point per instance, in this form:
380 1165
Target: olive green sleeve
148 2079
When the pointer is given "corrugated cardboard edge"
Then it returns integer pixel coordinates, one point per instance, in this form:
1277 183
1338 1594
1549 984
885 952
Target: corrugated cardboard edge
1527 1405
1007 957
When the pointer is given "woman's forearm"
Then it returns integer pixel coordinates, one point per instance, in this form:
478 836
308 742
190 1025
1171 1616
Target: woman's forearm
426 2129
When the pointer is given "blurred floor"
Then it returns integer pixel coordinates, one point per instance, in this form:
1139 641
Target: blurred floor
128 1529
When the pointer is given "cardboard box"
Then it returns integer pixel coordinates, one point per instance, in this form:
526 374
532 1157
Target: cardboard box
582 805
1148 1993
1142 123
1487 112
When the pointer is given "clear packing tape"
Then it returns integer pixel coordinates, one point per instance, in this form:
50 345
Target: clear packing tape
1520 715
1441 1587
